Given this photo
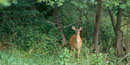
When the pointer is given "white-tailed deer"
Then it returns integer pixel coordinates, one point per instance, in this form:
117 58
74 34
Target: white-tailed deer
76 41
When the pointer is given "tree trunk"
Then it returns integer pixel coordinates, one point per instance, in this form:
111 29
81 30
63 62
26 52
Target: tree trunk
112 20
96 33
59 24
118 33
127 45
80 17
1 17
127 48
116 27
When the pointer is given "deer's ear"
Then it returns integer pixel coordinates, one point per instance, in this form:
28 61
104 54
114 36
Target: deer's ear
81 28
73 27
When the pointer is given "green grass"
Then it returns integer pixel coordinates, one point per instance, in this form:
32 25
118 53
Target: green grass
24 58
63 57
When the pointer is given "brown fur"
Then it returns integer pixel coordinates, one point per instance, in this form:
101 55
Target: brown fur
75 45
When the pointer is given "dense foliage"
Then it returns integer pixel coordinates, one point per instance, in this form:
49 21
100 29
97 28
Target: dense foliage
32 32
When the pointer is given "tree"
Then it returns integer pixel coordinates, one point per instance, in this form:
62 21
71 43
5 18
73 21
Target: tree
117 25
59 23
96 32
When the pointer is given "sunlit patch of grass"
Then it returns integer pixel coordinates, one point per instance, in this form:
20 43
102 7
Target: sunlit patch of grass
24 58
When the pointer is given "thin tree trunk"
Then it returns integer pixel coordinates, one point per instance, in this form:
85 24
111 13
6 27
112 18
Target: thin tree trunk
113 25
80 18
112 20
96 33
127 48
1 17
127 44
118 33
59 24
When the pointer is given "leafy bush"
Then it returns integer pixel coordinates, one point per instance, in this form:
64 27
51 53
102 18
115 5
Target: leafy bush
46 44
64 57
98 59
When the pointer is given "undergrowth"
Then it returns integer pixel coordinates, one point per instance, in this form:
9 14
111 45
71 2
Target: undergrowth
63 57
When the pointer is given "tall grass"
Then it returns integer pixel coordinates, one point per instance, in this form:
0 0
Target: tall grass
63 57
24 58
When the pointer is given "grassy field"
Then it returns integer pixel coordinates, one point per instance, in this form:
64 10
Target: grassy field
63 57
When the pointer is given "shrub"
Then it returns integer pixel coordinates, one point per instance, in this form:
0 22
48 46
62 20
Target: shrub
63 57
98 59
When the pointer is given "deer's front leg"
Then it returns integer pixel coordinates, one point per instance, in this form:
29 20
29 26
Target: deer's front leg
78 53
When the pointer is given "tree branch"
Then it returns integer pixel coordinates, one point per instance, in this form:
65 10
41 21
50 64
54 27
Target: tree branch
124 57
67 25
112 19
80 17
51 22
61 26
